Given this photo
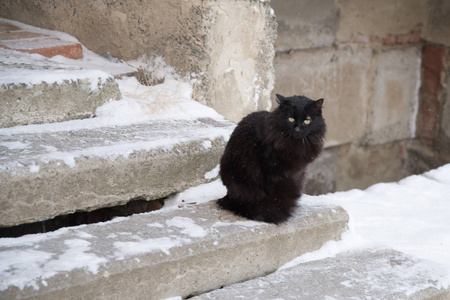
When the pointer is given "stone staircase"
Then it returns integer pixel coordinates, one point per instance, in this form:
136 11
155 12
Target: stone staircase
57 168
50 169
157 255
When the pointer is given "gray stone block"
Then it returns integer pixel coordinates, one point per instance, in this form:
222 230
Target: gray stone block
342 76
363 274
161 254
380 18
395 96
305 24
32 91
46 174
438 27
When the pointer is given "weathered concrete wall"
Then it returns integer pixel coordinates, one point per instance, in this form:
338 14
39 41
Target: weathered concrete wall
382 68
228 44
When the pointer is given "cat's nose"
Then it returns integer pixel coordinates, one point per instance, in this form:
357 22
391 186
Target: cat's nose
297 129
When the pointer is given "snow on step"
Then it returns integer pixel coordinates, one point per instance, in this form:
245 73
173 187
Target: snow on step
160 254
35 89
364 274
15 36
54 169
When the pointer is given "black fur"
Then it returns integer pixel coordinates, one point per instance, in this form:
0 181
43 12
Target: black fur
264 163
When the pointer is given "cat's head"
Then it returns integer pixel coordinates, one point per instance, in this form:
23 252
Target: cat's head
300 116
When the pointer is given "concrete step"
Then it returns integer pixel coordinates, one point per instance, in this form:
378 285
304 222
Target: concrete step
35 89
159 254
55 169
362 274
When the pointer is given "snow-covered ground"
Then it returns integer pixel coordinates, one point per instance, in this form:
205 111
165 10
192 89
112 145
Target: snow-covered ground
411 216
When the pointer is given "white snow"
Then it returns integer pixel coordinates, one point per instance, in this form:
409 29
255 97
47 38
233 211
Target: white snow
14 145
213 173
197 195
411 216
188 225
169 100
124 249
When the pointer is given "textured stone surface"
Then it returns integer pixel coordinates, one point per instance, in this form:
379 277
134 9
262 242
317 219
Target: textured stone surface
374 274
438 27
305 24
381 18
227 44
395 96
165 254
357 166
241 58
60 172
341 76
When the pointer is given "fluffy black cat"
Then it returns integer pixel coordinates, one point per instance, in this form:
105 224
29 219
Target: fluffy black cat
264 163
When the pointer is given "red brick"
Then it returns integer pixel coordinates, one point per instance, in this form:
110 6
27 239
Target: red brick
390 40
427 116
361 39
433 58
73 51
42 44
414 37
431 81
401 39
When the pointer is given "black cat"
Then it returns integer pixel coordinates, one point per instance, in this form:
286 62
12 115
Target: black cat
264 163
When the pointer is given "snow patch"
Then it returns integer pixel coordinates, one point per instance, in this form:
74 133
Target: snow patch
207 144
213 173
200 194
188 225
239 223
164 244
14 145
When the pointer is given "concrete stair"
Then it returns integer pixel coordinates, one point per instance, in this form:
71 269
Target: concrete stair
156 255
35 89
46 174
57 168
363 274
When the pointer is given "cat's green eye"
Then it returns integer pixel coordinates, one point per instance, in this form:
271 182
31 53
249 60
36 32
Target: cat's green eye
292 120
307 121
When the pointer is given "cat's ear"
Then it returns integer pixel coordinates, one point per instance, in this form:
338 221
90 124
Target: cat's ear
318 104
280 99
